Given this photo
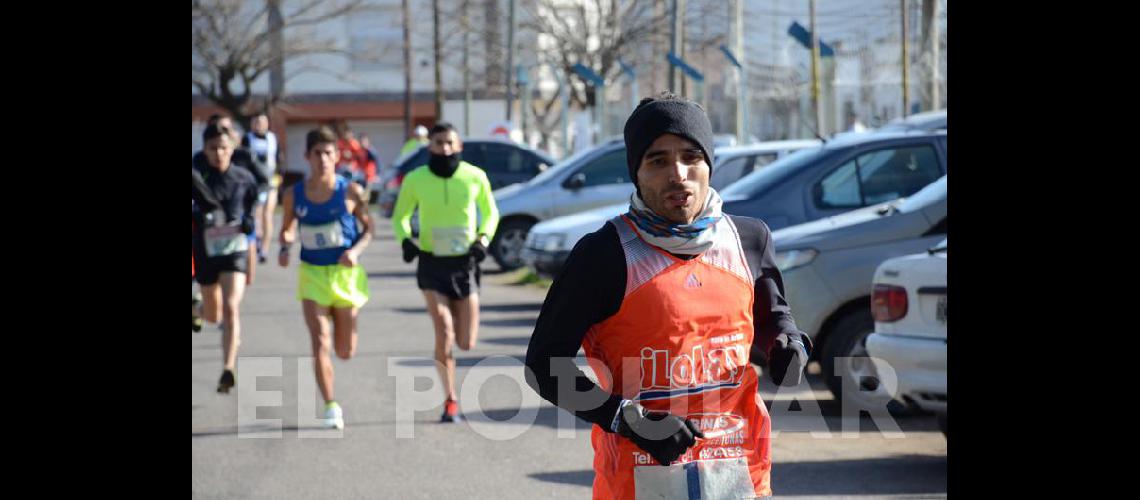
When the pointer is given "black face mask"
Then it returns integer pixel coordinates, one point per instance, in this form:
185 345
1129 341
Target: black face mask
443 166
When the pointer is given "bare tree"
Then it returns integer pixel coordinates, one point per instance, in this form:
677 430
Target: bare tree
231 45
596 33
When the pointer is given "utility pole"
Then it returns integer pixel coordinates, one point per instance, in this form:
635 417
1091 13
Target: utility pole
276 47
741 81
676 43
905 64
407 71
931 11
466 69
436 56
815 72
511 58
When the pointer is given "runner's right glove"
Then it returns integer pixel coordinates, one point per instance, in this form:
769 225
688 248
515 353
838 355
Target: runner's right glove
664 435
410 250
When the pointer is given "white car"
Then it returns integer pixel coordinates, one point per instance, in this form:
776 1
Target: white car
909 307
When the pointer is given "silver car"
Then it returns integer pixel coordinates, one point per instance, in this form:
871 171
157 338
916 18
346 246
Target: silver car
828 266
592 178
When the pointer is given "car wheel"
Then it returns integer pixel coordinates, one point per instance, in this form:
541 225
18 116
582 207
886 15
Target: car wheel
848 339
508 244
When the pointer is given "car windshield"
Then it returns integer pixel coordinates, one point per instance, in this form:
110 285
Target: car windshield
774 172
557 167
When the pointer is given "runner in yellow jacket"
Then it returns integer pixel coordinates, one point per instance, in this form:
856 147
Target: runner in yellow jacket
452 243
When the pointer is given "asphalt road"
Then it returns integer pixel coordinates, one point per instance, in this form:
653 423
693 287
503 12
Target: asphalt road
263 440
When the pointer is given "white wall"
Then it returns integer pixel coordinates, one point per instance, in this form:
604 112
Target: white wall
334 73
386 135
484 114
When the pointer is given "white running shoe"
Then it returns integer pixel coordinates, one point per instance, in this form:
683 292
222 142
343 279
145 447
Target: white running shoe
334 416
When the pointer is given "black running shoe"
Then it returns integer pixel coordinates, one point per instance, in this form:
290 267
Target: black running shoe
226 382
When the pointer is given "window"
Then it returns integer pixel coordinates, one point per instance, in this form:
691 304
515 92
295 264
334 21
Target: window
476 154
877 177
761 160
611 168
728 172
840 189
894 173
504 159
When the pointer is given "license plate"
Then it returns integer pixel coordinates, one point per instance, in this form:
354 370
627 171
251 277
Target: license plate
941 311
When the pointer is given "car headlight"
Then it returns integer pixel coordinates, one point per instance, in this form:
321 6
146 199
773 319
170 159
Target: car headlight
554 242
791 259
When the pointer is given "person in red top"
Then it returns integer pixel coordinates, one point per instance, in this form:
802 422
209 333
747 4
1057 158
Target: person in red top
670 301
352 155
371 161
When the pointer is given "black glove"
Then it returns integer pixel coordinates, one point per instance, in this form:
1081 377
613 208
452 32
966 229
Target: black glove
665 436
788 357
478 251
247 224
410 250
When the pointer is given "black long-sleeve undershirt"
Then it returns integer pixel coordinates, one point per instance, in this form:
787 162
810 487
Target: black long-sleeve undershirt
591 287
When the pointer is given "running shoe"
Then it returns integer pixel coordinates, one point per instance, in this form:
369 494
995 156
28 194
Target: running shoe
226 382
451 412
334 416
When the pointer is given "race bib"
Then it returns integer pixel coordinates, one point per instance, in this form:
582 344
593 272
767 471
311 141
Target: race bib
225 240
450 241
726 478
321 236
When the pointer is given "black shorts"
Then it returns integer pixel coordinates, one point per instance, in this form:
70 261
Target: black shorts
451 276
207 269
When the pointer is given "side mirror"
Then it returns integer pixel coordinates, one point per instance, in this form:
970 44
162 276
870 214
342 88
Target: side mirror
542 167
575 181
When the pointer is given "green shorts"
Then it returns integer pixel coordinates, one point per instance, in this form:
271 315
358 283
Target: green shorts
333 286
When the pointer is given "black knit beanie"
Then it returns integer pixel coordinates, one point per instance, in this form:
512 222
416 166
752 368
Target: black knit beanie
666 114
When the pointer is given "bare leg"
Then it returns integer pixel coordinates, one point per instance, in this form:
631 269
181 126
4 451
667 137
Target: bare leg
233 288
344 331
319 336
466 313
267 218
211 302
444 336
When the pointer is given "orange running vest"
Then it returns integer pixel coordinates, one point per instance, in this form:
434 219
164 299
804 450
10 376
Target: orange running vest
680 343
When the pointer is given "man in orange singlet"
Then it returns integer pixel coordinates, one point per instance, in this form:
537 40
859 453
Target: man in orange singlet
668 301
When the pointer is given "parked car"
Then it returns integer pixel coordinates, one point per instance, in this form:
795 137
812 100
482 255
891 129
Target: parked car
548 243
930 121
809 184
828 264
842 175
591 178
908 303
505 162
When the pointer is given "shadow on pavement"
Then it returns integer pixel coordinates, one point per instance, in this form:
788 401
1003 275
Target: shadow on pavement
509 322
471 361
547 416
392 274
578 477
522 307
901 474
517 341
